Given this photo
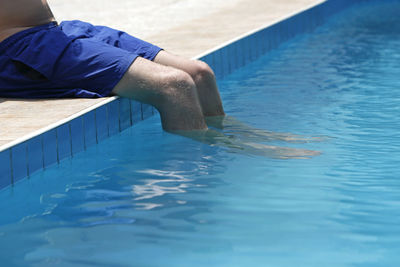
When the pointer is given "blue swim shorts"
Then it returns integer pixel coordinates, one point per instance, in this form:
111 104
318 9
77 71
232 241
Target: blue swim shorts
73 59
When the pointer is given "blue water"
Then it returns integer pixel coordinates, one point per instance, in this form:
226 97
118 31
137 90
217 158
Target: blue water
150 198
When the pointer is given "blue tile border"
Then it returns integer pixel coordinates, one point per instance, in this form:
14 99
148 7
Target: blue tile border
5 168
147 111
136 112
64 142
35 154
19 162
89 129
49 148
125 114
113 117
101 123
117 114
77 135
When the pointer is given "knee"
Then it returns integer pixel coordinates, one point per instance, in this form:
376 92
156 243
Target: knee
179 84
201 72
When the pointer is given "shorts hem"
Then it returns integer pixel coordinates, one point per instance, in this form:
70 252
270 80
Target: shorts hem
122 70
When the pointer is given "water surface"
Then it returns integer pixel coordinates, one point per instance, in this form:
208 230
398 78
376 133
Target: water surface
150 198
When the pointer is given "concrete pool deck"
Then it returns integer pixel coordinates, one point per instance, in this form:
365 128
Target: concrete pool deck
185 27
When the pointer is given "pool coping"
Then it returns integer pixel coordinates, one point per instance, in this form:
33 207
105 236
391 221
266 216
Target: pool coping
63 139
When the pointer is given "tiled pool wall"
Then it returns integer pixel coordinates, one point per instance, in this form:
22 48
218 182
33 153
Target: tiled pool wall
75 135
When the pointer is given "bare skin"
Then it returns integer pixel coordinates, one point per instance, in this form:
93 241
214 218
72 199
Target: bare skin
183 90
236 143
18 15
232 126
203 77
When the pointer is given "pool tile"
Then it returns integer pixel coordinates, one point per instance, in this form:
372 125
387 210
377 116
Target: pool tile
254 47
264 41
225 61
267 40
125 114
147 111
155 112
19 162
297 23
250 48
113 117
328 8
294 26
311 21
217 64
64 141
49 144
285 27
280 37
244 51
232 57
289 25
275 37
89 125
307 23
221 59
101 123
35 154
5 168
77 135
247 50
258 44
136 111
240 55
318 17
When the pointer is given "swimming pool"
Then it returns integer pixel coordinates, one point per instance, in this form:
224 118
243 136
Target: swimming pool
168 200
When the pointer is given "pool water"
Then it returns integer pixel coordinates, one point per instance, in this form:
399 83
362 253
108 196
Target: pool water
150 198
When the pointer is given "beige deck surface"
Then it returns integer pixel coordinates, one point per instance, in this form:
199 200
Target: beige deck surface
185 27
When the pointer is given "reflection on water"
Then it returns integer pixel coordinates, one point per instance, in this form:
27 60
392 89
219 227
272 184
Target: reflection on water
170 182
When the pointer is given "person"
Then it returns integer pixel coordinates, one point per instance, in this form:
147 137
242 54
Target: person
40 58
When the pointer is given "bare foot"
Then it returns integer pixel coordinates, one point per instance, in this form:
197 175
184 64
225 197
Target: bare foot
230 125
278 152
237 145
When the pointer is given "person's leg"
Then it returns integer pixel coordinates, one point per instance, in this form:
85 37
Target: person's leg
203 77
171 91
